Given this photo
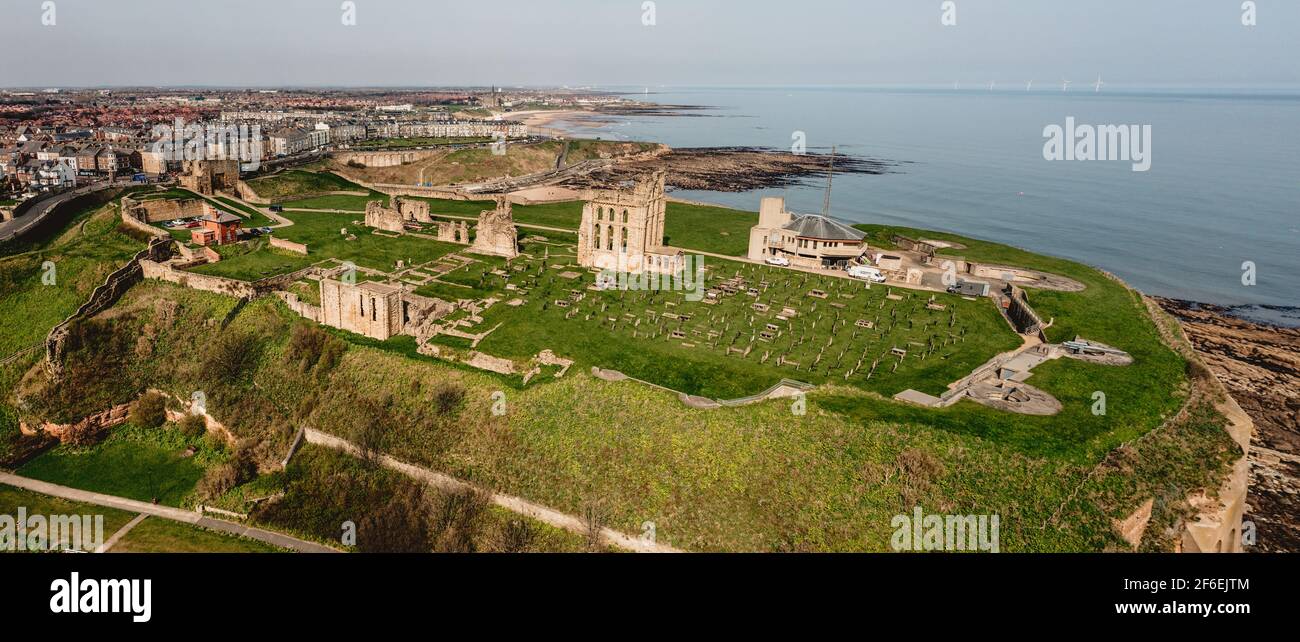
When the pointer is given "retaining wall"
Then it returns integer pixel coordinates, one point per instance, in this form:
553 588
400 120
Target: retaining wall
298 248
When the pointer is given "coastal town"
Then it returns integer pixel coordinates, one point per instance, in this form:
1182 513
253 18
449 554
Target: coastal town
368 296
433 230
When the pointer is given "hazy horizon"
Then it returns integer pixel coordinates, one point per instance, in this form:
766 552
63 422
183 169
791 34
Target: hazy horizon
409 44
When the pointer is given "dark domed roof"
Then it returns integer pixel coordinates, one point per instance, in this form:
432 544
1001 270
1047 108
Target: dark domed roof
817 226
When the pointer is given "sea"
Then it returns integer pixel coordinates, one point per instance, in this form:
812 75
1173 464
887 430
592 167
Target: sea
1214 219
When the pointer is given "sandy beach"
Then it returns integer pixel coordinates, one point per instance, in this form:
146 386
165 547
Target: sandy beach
539 121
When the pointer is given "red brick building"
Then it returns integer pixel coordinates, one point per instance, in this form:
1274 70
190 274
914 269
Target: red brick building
218 229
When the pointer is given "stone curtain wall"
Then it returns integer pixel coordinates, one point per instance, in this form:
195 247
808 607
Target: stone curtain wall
385 159
135 223
203 282
159 210
102 298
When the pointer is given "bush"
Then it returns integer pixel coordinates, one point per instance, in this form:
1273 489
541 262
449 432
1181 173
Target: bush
313 348
447 397
229 355
399 524
455 521
517 536
193 425
217 481
149 411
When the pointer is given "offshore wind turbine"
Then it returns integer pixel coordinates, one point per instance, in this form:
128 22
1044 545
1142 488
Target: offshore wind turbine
1099 83
1065 84
1029 85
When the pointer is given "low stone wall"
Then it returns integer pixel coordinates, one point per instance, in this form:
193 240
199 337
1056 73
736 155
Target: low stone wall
297 248
245 192
300 307
273 283
204 282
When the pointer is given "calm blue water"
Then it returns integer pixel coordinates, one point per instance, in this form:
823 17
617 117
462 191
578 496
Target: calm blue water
1223 188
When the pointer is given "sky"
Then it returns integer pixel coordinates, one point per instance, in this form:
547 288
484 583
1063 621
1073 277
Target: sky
304 43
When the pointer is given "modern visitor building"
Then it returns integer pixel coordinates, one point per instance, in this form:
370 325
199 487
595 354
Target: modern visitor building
807 240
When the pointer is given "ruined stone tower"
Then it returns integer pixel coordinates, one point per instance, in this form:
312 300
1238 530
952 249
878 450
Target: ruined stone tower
496 233
623 230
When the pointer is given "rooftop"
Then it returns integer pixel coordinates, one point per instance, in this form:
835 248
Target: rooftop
817 226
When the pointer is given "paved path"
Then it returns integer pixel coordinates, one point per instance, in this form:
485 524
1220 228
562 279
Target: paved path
20 225
166 512
280 221
511 503
121 532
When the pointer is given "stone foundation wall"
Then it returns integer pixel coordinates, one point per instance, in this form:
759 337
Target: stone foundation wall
90 427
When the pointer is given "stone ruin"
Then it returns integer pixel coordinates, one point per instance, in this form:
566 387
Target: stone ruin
207 177
383 218
376 310
496 234
393 219
412 209
623 230
453 232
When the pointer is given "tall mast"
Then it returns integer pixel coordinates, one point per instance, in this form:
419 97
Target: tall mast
830 178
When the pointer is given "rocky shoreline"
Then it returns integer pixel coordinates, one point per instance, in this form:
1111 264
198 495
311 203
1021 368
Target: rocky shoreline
733 169
1259 363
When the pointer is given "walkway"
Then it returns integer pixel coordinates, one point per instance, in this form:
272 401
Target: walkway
20 225
511 503
166 512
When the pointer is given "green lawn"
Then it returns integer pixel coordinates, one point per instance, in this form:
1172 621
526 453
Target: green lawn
961 337
711 229
82 254
567 215
320 231
346 202
288 183
137 463
157 535
1137 396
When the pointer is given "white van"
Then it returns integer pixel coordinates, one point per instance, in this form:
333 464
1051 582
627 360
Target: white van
867 273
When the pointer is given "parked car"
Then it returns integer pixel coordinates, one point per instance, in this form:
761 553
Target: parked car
867 273
277 208
778 260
